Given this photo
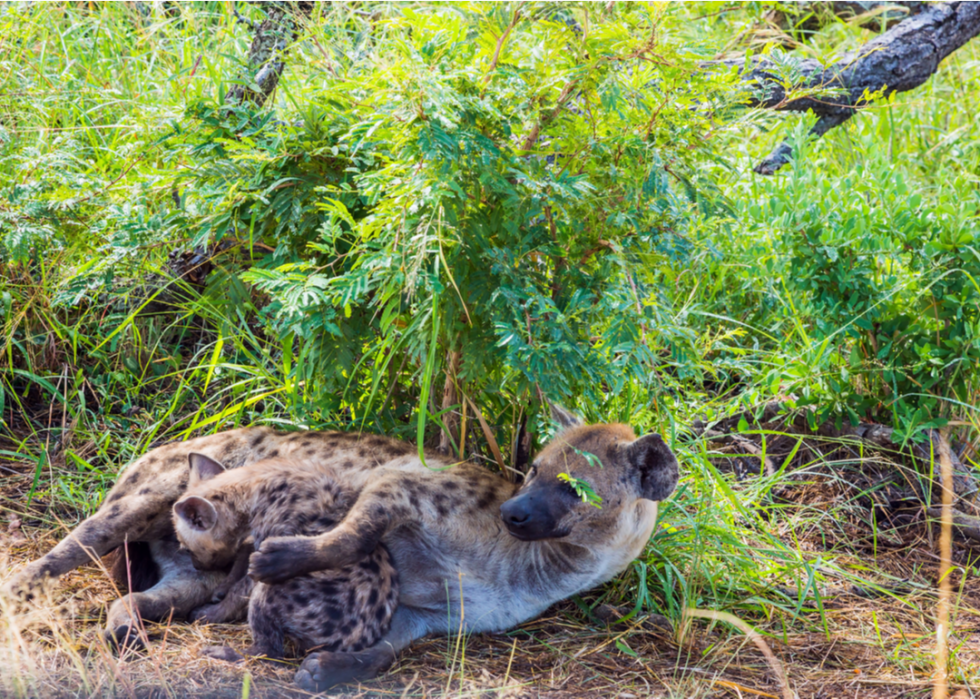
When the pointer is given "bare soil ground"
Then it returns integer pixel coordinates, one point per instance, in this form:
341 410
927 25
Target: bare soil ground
867 644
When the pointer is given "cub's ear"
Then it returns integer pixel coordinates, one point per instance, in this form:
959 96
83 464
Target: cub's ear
562 417
203 468
197 512
656 464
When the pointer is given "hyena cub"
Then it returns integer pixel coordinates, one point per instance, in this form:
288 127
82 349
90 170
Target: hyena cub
225 513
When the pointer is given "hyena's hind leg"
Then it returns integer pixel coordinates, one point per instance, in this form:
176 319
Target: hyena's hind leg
180 590
326 669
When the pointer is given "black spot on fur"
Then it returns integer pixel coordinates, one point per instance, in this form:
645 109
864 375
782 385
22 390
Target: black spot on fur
442 504
348 464
373 597
115 496
272 454
451 486
145 490
305 443
257 440
370 565
379 613
334 613
486 500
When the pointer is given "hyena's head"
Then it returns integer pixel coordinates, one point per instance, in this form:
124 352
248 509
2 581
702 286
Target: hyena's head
585 478
206 525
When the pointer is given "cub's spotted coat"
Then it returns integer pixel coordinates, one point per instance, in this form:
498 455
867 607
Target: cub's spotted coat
334 610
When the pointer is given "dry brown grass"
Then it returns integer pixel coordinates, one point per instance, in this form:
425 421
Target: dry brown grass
875 648
870 646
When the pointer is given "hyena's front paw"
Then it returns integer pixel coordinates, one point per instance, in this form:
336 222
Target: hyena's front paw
282 558
25 586
223 653
227 611
126 638
321 671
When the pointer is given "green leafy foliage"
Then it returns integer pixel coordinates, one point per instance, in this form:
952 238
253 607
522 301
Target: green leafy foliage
558 194
582 489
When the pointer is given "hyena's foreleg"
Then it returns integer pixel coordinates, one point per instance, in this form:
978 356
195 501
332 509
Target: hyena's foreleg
378 509
181 589
128 519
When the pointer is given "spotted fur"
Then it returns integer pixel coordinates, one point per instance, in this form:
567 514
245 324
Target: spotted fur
473 552
334 610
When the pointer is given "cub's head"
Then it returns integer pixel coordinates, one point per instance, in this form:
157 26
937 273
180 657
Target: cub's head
207 526
584 479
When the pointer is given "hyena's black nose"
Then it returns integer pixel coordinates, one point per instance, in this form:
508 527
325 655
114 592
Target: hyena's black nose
534 514
514 512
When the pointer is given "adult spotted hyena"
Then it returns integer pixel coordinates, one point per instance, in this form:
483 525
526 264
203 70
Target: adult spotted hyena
472 551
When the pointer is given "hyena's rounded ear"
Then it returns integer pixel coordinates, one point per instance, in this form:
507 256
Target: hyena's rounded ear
656 464
203 467
197 512
563 417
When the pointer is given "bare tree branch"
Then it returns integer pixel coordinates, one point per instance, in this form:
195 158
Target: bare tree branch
267 52
899 60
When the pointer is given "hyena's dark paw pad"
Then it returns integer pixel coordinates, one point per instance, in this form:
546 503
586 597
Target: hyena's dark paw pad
126 638
321 671
280 559
225 653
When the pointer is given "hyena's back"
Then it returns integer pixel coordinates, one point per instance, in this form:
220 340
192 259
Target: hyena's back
138 508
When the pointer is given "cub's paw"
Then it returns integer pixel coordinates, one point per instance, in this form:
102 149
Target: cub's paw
282 558
227 611
321 671
224 653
